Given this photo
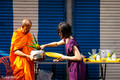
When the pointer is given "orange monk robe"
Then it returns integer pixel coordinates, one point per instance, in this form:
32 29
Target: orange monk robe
23 68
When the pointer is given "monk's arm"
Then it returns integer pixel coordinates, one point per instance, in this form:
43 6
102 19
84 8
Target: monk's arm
20 53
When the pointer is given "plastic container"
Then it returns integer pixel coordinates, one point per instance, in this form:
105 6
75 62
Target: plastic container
103 53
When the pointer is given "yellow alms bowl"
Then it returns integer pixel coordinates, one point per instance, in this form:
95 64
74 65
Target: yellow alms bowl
53 54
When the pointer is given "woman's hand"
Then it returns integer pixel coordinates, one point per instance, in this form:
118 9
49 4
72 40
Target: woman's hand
62 57
83 56
42 46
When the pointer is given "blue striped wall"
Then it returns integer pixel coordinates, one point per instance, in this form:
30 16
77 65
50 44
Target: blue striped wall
51 13
86 29
6 24
6 30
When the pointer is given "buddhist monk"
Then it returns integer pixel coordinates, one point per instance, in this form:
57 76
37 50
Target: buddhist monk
20 58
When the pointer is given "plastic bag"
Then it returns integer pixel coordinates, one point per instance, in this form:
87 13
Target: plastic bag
44 75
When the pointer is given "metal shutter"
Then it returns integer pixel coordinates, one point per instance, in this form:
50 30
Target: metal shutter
110 33
6 29
86 29
51 13
6 24
26 9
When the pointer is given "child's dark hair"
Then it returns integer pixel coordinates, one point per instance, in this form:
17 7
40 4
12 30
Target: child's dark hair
65 29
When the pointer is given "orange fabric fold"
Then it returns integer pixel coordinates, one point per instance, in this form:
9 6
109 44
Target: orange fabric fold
23 68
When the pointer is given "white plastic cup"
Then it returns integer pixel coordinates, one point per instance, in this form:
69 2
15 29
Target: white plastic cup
103 53
93 51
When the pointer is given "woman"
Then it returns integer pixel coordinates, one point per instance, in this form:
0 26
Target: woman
76 67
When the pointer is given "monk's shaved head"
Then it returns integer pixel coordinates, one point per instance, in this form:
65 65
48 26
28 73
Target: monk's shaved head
26 22
26 25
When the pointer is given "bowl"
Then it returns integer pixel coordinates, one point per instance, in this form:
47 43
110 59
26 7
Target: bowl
53 54
39 55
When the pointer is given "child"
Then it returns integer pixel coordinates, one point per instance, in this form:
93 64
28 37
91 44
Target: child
76 67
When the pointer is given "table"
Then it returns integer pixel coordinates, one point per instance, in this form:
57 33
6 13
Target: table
53 63
103 74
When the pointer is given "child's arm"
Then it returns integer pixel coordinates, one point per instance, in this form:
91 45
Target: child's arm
53 44
77 56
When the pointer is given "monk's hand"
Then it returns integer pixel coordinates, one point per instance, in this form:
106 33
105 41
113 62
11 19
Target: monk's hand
31 57
34 58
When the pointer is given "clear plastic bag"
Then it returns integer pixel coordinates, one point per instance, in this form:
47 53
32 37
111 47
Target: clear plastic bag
44 75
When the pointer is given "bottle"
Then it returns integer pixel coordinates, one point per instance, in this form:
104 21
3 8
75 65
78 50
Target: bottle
93 51
114 57
98 57
108 57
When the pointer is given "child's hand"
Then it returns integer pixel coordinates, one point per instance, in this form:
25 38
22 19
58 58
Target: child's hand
42 46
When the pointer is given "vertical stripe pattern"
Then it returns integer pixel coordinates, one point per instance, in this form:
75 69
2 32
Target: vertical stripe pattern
51 13
26 9
6 29
6 24
110 33
86 29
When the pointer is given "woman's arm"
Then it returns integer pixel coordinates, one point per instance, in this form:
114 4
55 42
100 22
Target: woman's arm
53 44
77 56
